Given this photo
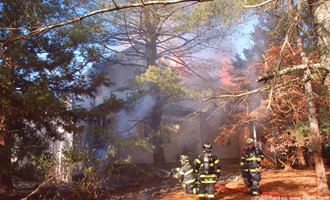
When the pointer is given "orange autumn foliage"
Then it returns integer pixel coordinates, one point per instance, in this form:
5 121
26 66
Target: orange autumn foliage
287 104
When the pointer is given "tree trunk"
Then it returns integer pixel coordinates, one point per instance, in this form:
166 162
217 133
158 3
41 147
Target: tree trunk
159 153
287 165
285 161
152 21
5 164
316 141
321 16
322 185
157 136
301 157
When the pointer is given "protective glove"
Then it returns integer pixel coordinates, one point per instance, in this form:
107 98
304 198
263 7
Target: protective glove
258 160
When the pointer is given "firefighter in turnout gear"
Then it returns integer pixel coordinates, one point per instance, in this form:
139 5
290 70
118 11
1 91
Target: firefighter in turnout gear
207 165
187 176
250 166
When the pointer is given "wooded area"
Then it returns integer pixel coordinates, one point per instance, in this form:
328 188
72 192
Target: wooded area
50 53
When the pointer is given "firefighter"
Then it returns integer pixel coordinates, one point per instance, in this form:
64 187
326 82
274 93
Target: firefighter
187 176
250 166
207 165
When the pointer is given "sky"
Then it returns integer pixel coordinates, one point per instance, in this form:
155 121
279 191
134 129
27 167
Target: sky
236 44
243 39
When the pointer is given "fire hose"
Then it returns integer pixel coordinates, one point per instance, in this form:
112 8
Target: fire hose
236 190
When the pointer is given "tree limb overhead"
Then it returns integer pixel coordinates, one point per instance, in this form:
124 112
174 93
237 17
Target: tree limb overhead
258 5
273 74
115 7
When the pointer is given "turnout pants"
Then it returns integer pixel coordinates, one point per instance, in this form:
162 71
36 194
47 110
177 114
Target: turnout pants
190 189
206 188
251 180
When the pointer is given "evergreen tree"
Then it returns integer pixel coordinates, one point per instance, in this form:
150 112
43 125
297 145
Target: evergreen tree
163 35
40 77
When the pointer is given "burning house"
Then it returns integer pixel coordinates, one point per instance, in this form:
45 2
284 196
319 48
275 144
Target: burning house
192 129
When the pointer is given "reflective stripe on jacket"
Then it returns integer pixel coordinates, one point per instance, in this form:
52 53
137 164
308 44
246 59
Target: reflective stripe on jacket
214 170
187 174
250 159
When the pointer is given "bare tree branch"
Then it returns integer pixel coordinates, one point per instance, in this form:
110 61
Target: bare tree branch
38 188
100 11
240 94
258 5
271 75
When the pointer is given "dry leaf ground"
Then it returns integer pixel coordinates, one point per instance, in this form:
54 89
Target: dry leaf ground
275 185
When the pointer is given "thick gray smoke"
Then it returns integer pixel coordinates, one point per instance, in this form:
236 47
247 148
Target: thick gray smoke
128 119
